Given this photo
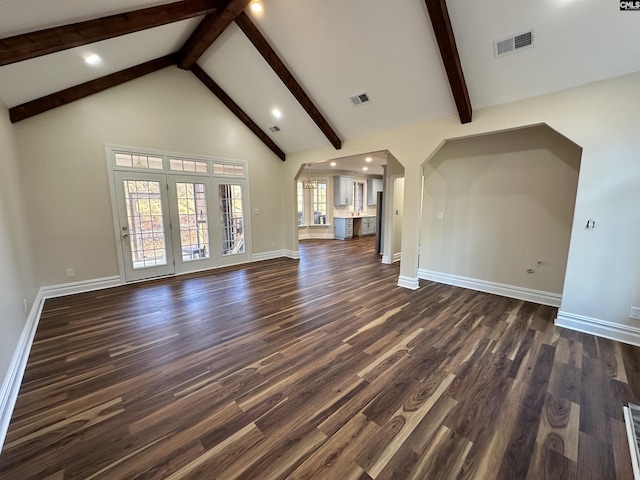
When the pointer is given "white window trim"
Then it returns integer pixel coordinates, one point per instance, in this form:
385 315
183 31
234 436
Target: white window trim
308 205
111 150
326 182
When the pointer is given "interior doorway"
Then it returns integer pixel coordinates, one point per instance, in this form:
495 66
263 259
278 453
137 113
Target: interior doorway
338 198
497 213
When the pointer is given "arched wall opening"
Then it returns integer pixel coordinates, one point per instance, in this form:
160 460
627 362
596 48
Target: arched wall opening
374 171
497 212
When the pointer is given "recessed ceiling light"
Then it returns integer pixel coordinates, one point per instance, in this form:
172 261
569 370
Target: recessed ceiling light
93 59
256 6
276 113
333 164
365 168
368 159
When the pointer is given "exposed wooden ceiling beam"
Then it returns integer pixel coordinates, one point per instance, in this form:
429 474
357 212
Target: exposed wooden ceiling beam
238 112
447 43
35 44
208 31
271 57
72 94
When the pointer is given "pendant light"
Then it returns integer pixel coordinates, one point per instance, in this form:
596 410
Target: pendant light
309 184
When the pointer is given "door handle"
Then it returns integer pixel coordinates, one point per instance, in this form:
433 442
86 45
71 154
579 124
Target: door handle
125 235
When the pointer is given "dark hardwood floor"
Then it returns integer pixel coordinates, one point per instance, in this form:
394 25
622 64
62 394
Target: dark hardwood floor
321 368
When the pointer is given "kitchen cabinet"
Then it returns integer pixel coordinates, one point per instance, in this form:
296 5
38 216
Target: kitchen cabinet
342 228
342 190
374 185
349 227
368 226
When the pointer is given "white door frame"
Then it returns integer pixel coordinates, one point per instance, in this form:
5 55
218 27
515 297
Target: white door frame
389 208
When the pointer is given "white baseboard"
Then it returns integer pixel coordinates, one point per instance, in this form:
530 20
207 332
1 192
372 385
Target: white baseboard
599 328
63 289
292 254
397 257
511 291
385 260
259 257
408 282
11 383
316 236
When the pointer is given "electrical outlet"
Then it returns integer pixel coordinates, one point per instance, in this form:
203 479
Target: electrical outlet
70 272
440 215
634 312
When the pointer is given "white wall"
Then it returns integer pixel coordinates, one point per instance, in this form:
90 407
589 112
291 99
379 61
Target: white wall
507 202
63 157
16 280
603 269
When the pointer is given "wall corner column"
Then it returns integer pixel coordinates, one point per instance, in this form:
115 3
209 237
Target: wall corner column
411 219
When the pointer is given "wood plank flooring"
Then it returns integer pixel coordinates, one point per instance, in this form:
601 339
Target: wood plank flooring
320 368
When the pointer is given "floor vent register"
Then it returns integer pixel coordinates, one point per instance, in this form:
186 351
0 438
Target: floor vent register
632 421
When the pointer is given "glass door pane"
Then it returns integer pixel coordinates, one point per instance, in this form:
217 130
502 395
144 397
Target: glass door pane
231 219
146 226
192 218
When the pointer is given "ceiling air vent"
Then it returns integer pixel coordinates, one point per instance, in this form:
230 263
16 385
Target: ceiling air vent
360 98
515 42
274 129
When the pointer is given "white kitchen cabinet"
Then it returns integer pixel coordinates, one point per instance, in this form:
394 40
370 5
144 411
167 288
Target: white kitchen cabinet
368 226
342 190
374 185
342 228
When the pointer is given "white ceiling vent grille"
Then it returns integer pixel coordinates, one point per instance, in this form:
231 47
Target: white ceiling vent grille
274 129
514 43
360 99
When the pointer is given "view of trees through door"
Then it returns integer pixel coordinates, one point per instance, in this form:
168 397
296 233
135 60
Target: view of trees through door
145 224
192 212
231 219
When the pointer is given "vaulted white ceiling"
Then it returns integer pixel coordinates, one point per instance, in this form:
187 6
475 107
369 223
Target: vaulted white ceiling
576 42
337 48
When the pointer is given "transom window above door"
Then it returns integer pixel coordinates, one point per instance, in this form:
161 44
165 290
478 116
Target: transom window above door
121 158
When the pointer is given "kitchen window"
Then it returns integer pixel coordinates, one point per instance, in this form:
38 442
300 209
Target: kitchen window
358 197
319 195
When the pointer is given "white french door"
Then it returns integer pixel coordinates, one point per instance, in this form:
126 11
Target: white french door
177 215
144 224
233 229
191 204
